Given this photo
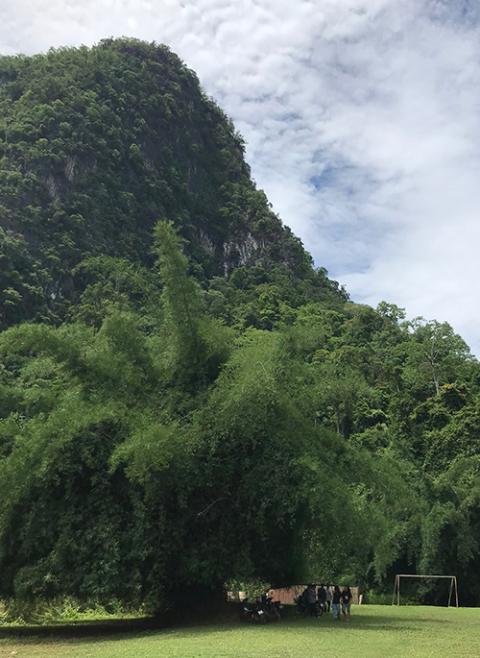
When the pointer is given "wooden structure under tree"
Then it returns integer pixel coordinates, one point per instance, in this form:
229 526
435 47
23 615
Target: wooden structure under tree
287 595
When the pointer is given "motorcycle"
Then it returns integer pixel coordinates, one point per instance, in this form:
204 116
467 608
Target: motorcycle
253 612
304 609
272 608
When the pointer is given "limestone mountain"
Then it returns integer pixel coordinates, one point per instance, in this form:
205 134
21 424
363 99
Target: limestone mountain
96 145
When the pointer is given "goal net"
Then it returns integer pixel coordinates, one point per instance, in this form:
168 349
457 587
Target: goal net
451 582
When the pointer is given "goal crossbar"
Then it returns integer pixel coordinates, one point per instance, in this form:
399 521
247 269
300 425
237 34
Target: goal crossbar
453 586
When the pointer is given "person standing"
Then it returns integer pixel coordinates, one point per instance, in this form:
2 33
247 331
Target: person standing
346 602
329 594
322 598
311 598
336 597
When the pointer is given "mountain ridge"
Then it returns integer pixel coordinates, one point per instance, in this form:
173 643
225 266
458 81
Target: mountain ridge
96 145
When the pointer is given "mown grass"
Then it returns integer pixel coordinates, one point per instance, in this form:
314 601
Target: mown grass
378 631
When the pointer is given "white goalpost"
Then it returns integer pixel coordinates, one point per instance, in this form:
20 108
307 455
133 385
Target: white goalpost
452 590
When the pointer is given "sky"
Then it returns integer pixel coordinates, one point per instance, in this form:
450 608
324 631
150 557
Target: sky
361 118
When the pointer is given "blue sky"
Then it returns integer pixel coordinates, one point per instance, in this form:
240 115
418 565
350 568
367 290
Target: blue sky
362 122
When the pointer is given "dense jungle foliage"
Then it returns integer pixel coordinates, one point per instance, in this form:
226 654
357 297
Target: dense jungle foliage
187 402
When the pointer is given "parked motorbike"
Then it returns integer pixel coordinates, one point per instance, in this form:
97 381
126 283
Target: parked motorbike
272 608
303 608
253 612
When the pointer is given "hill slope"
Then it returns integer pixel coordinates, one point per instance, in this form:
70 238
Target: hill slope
95 146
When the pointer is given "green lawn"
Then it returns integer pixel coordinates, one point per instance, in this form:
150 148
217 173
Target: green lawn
381 631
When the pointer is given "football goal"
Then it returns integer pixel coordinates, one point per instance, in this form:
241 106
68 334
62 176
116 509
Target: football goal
452 591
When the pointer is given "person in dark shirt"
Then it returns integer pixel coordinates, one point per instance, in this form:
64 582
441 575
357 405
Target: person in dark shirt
329 590
346 602
322 597
336 602
311 599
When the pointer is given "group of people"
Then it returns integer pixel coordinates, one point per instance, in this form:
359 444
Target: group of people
326 598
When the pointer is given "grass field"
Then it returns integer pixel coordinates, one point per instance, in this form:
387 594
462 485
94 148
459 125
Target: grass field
381 631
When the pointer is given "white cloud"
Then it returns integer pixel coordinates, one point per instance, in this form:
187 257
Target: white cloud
361 119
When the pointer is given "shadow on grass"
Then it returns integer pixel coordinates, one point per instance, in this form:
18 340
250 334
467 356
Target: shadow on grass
140 628
82 628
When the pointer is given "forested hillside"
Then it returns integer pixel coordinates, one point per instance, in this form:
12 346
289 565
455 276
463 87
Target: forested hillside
184 399
98 144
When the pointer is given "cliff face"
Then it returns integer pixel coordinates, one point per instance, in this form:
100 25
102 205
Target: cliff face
95 146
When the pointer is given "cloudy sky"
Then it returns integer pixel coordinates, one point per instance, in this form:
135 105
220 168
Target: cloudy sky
361 117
